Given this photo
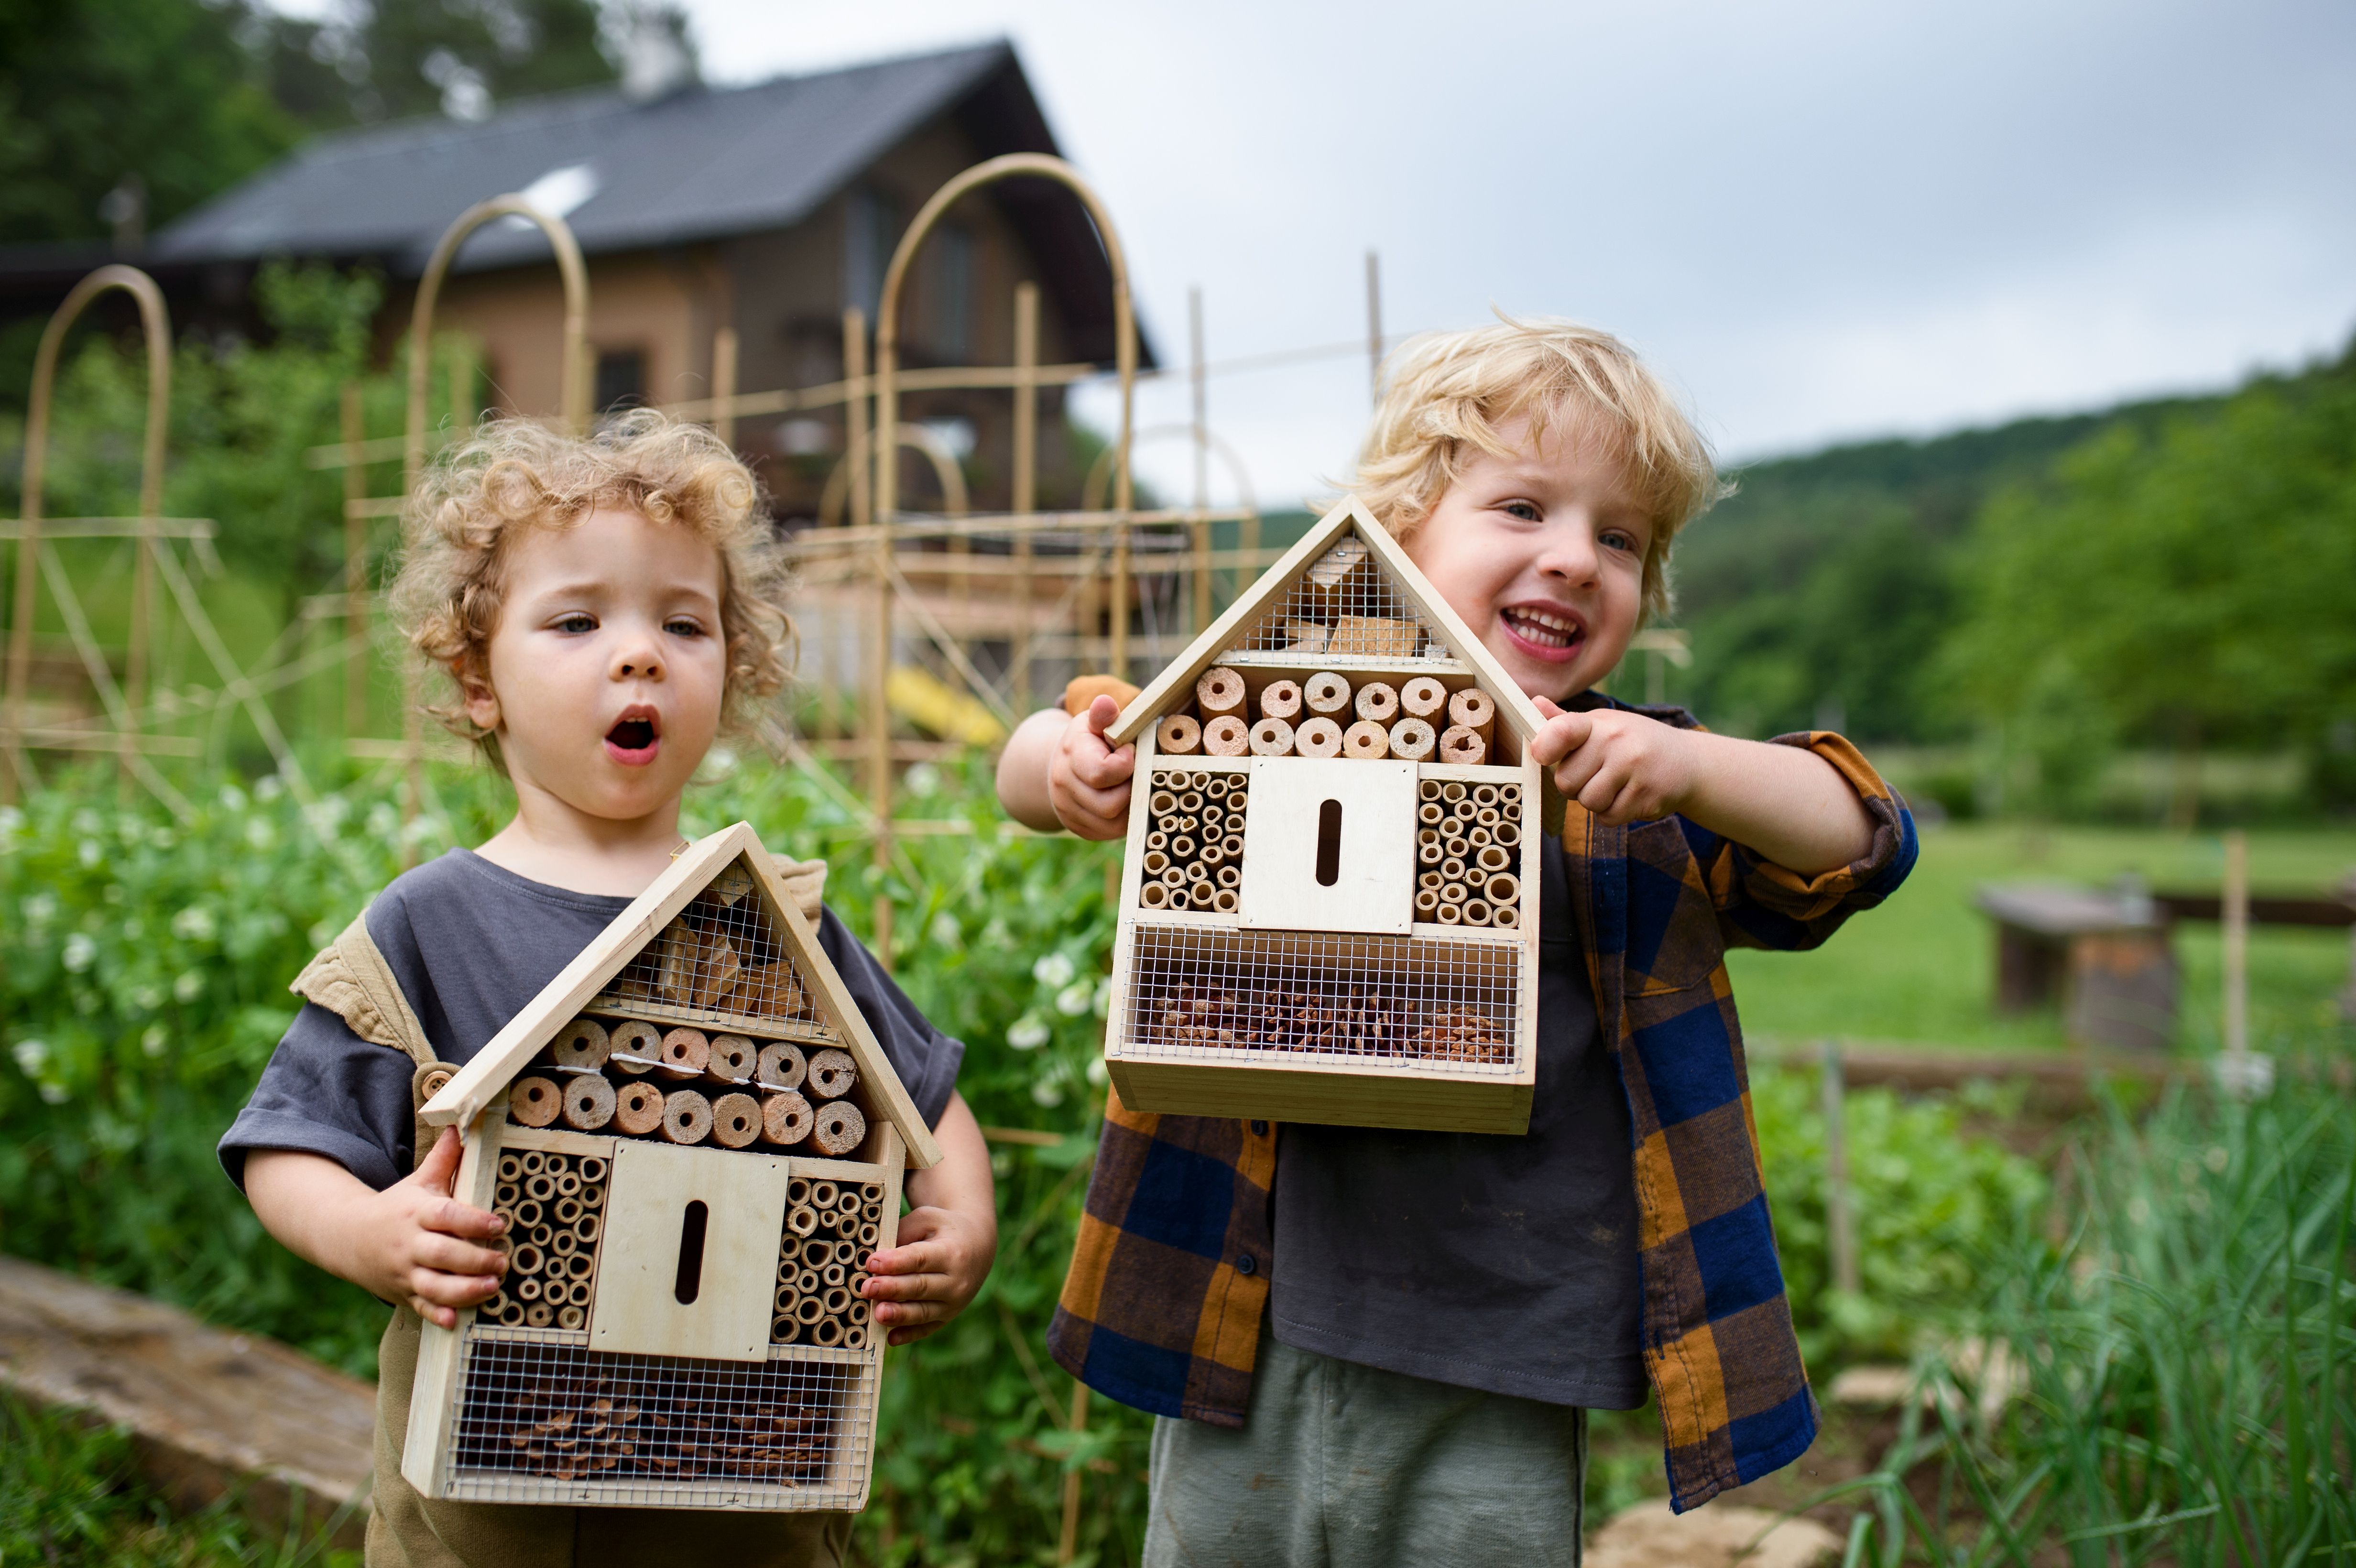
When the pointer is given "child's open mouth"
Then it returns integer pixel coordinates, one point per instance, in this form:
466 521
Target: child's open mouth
635 738
1548 634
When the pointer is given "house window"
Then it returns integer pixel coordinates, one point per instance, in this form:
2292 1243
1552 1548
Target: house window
872 224
621 379
953 273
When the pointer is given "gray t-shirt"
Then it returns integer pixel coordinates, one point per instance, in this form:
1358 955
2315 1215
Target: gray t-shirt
470 943
1501 1263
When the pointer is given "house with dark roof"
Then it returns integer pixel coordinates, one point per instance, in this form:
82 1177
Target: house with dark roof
766 209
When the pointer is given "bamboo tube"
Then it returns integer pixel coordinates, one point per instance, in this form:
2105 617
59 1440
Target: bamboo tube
1509 796
1484 796
801 1219
510 1169
1506 917
1429 850
1219 693
1453 892
1181 849
685 1053
1153 895
1506 835
734 1059
1319 737
539 1315
583 1043
1164 802
1423 698
735 1120
592 1172
534 1101
1431 878
1476 912
568 1181
1234 846
1226 736
1365 741
827 1333
1280 699
1474 710
638 1109
1178 736
808 1311
1463 746
1451 790
1377 702
589 1227
824 1196
833 1074
1457 849
1450 914
1200 895
588 1103
1426 903
1175 876
1271 737
786 1119
1326 694
1503 889
1412 739
562 1246
1492 859
1479 836
840 1129
1215 786
781 1066
1224 900
1229 876
526 1261
636 1046
686 1116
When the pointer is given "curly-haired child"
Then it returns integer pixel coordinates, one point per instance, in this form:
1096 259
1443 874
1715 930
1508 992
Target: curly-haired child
1373 1346
602 608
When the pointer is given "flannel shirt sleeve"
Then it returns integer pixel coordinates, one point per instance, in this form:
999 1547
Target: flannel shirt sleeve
1761 904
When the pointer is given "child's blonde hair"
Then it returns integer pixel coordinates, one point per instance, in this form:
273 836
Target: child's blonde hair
512 474
1445 392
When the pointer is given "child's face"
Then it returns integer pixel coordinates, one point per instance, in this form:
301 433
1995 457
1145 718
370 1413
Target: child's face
608 666
1542 553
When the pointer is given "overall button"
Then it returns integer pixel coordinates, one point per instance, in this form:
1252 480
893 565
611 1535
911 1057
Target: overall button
1259 1129
1246 1264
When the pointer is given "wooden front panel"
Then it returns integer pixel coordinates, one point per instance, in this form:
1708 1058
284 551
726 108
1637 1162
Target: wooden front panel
638 1311
1357 819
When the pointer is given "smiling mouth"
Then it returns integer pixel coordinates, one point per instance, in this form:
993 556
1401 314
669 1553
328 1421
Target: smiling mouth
1543 629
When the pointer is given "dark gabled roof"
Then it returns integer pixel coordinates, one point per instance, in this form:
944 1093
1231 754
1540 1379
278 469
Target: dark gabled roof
699 165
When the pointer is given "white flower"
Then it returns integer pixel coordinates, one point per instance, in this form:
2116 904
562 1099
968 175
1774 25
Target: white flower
30 1054
40 908
54 1093
259 833
190 986
1046 1093
91 852
1098 1072
232 798
12 822
383 822
87 821
270 786
162 839
946 933
81 950
1074 999
1054 969
194 924
1029 1033
148 997
154 1039
923 781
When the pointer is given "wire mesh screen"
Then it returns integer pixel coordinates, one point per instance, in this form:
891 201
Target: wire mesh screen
1193 840
538 1420
719 958
1199 992
1345 606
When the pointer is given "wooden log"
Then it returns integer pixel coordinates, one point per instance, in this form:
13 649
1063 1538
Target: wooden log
786 1119
1463 746
1319 737
840 1129
1280 699
1375 636
736 1120
636 1047
1335 581
1376 701
782 1066
1474 710
1365 741
1412 739
582 1043
685 1053
1178 736
534 1101
1306 637
1226 736
833 1074
638 1109
734 1058
1326 694
1271 737
588 1102
686 1116
1220 692
1423 698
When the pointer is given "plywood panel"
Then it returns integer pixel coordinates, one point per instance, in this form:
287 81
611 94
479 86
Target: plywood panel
636 1310
1373 888
1365 1095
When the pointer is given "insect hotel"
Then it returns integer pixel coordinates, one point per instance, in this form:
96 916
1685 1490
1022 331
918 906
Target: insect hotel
696 1141
1328 900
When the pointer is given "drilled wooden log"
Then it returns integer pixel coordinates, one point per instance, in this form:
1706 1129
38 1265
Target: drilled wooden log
1271 737
1280 699
1178 736
636 1047
840 1129
1219 692
833 1074
588 1102
786 1119
735 1120
1423 698
1226 736
534 1101
582 1043
685 1053
1474 710
1376 701
686 1116
734 1058
1319 737
638 1109
1365 741
1463 746
782 1066
1326 694
1412 739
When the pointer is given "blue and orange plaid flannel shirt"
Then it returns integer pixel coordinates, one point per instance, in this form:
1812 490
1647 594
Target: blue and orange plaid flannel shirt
1161 1308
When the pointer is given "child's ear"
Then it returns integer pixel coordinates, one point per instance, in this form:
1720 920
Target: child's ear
475 690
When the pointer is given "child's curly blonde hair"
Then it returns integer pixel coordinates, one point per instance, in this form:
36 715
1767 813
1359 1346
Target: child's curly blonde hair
513 473
1446 394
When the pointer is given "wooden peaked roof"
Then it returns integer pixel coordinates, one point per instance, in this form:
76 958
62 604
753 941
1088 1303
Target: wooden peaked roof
1349 518
480 1083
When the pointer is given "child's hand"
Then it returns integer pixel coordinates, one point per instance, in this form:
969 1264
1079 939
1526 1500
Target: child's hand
414 1242
919 1285
1623 767
1087 781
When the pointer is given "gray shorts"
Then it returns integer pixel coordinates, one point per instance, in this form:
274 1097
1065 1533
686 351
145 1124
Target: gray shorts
1343 1464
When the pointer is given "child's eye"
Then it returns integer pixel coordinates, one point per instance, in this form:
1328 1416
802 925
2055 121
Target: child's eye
1614 538
579 622
1526 511
681 626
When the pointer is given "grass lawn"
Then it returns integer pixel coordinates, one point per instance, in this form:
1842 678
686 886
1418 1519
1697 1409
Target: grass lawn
1921 967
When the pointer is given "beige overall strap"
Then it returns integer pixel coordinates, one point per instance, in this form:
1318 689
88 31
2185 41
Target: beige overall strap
352 980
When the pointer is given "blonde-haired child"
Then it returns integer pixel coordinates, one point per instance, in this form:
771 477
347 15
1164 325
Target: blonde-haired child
1371 1347
600 609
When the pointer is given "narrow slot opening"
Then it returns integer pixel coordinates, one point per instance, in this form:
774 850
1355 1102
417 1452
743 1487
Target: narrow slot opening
691 1253
1329 843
